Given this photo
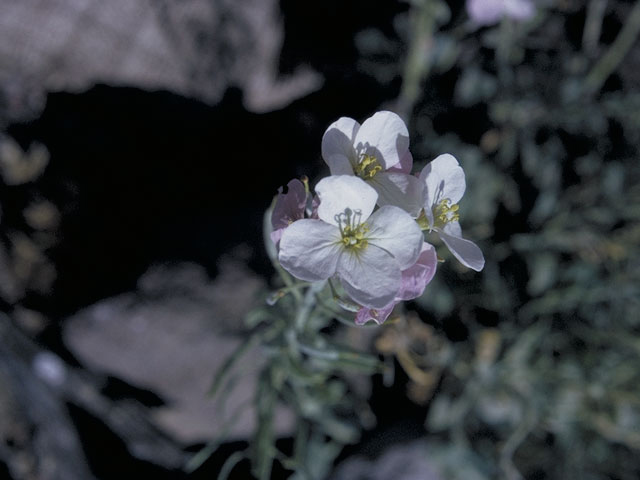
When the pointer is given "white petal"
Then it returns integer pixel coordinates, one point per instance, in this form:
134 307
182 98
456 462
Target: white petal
339 164
339 192
519 9
453 229
405 165
384 136
393 230
371 277
399 189
485 12
467 252
428 212
444 179
339 138
310 249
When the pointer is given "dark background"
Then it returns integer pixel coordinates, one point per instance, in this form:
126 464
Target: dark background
142 178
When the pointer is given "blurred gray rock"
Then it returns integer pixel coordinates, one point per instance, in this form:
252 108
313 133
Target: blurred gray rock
197 48
170 337
37 437
408 461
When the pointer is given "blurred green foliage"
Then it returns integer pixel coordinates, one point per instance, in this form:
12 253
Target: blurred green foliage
306 369
542 373
530 369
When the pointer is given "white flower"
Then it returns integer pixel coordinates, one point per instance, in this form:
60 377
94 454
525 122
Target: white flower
378 152
489 12
445 185
366 251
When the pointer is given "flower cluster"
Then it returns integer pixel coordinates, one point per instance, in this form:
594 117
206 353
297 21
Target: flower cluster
365 226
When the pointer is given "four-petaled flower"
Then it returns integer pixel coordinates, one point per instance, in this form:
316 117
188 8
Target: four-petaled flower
378 152
366 250
445 185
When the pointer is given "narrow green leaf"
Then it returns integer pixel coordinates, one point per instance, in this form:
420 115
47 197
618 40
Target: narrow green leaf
229 464
230 362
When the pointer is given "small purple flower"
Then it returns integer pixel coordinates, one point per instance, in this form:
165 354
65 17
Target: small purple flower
490 12
289 207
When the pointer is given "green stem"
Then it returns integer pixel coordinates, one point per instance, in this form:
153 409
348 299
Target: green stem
306 307
418 63
503 51
317 353
273 298
616 53
290 284
593 26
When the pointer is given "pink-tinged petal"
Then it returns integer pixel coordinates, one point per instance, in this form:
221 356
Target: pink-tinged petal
310 249
377 315
444 178
385 136
315 203
371 277
401 190
339 164
339 192
276 235
289 206
338 139
418 276
467 252
405 165
393 230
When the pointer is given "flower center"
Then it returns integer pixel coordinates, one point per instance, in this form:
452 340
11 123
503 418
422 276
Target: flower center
444 212
367 167
352 229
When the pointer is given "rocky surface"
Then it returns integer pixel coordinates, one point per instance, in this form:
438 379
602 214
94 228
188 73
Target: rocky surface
401 462
197 48
170 337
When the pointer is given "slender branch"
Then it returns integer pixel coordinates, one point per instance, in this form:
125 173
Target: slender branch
307 305
593 26
616 53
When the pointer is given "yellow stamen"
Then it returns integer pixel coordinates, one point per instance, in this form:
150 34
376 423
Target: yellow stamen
354 237
444 212
368 167
423 221
352 230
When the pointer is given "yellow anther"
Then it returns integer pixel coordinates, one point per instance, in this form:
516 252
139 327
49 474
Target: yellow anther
305 181
354 237
444 212
368 167
352 230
